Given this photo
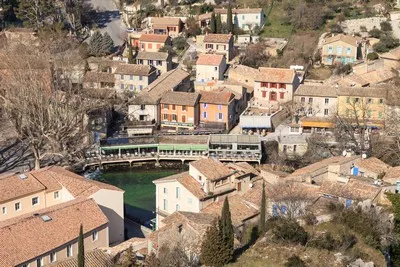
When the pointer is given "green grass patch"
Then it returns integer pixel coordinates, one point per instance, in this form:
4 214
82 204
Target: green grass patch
275 26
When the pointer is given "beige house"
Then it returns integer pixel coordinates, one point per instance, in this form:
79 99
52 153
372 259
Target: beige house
33 191
160 60
221 44
192 191
210 67
153 42
243 75
341 48
49 235
171 26
134 77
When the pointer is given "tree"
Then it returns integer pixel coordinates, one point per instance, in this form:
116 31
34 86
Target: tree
81 248
213 23
229 19
213 249
226 228
107 44
386 26
375 33
193 28
179 43
295 261
130 55
254 56
218 24
96 44
262 223
35 13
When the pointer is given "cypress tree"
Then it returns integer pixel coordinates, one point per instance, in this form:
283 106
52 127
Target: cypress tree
107 44
213 250
227 228
262 224
218 24
213 23
81 249
95 44
130 55
229 19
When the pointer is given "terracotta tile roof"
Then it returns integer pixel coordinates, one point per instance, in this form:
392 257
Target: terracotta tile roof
187 181
95 258
344 38
314 90
217 38
166 21
275 75
377 92
204 16
210 59
373 164
180 98
212 169
152 55
222 97
27 237
135 69
355 189
392 175
239 10
164 83
194 217
154 38
271 169
97 77
249 72
393 54
240 209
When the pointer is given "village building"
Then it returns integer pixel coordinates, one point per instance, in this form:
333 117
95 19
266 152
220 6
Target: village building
160 60
98 80
145 106
244 18
33 191
243 75
51 234
292 145
134 77
220 44
210 67
370 168
341 48
171 26
179 111
153 42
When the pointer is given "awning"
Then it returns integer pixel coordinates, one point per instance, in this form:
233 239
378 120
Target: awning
199 147
182 147
165 147
318 124
128 147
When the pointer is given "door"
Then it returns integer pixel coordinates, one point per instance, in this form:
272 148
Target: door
239 186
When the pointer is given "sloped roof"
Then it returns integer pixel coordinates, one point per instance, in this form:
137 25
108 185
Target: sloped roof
222 97
27 237
355 189
277 75
374 165
344 38
212 169
97 77
187 181
210 59
393 54
180 98
95 258
392 175
152 55
377 92
217 38
314 90
239 10
154 38
167 21
134 69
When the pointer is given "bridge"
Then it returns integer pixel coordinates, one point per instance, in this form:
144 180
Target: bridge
226 148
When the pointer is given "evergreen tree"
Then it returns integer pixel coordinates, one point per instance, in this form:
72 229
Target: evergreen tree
218 24
81 249
262 224
226 228
35 13
107 44
95 44
130 55
213 250
213 23
229 19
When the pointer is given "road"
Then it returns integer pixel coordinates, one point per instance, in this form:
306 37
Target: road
108 20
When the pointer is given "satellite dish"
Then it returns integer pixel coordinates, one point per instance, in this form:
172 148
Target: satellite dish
344 153
364 156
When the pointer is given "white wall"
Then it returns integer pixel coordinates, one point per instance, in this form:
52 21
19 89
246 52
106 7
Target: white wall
150 111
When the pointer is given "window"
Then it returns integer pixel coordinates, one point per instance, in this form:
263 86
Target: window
204 115
243 16
165 204
273 96
310 111
183 118
264 94
159 63
205 105
177 207
69 250
183 108
326 112
294 148
131 87
369 101
356 100
369 112
177 192
173 107
330 49
381 101
303 99
35 201
4 210
339 49
189 201
17 206
121 86
140 61
264 84
151 62
257 17
216 68
165 117
326 101
121 77
348 100
149 46
220 116
95 235
165 190
131 77
142 107
281 95
274 85
174 117
380 115
140 78
158 46
282 85
53 257
310 100
56 195
166 106
39 262
199 177
209 46
219 107
348 50
140 87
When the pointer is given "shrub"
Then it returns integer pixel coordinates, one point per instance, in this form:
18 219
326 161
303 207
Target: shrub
179 43
363 28
386 26
310 218
336 28
289 230
295 261
376 33
343 69
372 56
326 241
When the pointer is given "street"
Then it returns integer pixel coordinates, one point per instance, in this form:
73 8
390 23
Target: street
108 20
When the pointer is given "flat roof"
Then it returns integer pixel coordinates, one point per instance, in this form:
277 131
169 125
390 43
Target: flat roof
230 138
